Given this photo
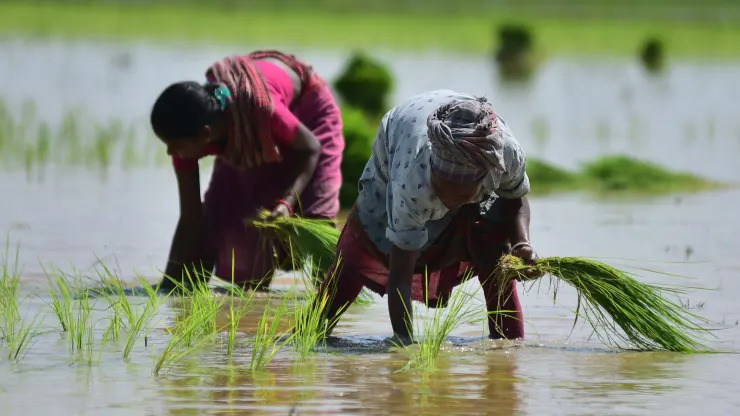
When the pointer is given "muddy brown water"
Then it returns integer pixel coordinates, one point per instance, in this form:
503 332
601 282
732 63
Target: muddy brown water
72 216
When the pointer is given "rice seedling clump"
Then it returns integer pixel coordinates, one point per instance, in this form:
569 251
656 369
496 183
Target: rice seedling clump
612 300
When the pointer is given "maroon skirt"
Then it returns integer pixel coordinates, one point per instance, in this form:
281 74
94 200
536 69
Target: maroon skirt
471 245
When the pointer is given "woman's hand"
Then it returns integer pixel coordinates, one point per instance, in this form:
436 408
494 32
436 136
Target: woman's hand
281 210
526 252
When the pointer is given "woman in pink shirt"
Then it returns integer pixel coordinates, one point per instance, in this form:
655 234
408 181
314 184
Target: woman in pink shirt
276 131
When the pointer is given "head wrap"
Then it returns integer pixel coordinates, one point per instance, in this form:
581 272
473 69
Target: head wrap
466 142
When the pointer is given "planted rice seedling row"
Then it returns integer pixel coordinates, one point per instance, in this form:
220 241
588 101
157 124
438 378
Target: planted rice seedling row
107 320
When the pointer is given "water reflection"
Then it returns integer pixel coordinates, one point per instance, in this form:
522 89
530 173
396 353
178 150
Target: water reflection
484 384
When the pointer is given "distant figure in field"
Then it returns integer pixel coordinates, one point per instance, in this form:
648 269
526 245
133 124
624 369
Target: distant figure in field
276 131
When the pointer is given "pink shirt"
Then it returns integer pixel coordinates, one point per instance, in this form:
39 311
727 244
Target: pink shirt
283 123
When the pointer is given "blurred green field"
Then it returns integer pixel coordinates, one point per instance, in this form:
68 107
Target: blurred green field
571 27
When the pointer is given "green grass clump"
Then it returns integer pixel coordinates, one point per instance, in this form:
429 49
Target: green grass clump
545 177
359 134
365 84
623 311
624 173
614 175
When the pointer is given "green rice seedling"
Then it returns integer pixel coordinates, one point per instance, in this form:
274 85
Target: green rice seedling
61 298
268 339
197 325
181 342
202 302
437 328
81 330
612 300
9 282
73 311
10 319
15 331
139 322
311 321
19 334
115 324
235 315
198 311
136 318
237 312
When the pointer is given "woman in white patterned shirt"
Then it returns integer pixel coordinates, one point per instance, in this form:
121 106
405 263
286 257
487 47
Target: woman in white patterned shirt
444 192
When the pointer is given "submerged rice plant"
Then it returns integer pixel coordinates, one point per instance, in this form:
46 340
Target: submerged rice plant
623 311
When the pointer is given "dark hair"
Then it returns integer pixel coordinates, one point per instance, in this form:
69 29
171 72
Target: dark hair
182 109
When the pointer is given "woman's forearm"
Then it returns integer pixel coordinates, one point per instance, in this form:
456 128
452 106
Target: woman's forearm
185 260
400 275
305 169
517 217
188 242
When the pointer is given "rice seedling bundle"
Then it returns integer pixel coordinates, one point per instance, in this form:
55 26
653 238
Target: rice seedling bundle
611 299
314 238
308 237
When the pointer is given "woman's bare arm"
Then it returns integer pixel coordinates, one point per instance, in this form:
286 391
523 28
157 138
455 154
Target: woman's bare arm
188 243
307 146
400 276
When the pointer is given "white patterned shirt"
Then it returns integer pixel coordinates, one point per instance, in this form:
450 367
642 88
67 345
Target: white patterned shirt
397 204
